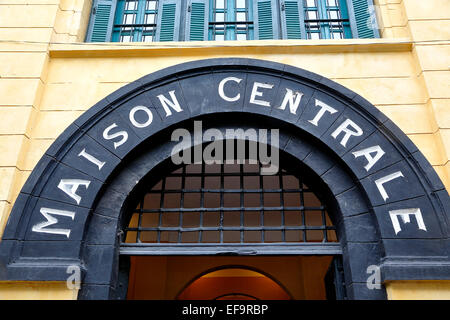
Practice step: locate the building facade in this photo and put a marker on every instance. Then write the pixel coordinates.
(356, 93)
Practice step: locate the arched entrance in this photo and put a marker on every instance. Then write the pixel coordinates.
(237, 214)
(296, 277)
(392, 209)
(234, 283)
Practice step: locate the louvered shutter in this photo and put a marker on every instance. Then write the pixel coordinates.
(292, 19)
(197, 20)
(100, 25)
(365, 20)
(266, 19)
(168, 25)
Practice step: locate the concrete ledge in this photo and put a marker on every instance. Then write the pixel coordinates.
(80, 50)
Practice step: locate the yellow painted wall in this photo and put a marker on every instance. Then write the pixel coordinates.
(25, 290)
(418, 290)
(48, 77)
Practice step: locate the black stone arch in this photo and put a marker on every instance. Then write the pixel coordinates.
(410, 254)
(357, 228)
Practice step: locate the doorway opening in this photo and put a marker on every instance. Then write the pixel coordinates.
(225, 231)
(230, 278)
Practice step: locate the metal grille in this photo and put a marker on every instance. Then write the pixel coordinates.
(135, 21)
(325, 19)
(231, 20)
(229, 203)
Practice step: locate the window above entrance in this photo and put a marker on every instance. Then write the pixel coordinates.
(202, 20)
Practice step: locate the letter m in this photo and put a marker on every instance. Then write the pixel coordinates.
(49, 214)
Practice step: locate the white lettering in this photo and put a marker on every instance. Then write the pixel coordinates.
(323, 108)
(379, 183)
(92, 159)
(405, 215)
(289, 98)
(70, 186)
(210, 311)
(256, 93)
(222, 93)
(166, 103)
(367, 154)
(47, 212)
(149, 116)
(348, 133)
(122, 134)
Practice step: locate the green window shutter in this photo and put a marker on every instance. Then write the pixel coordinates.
(292, 19)
(364, 18)
(168, 25)
(266, 19)
(197, 20)
(100, 25)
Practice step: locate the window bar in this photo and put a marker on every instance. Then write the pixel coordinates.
(138, 233)
(247, 18)
(330, 23)
(134, 33)
(338, 26)
(222, 170)
(120, 34)
(324, 25)
(214, 23)
(211, 17)
(283, 233)
(227, 190)
(326, 20)
(250, 18)
(121, 29)
(150, 12)
(161, 205)
(241, 182)
(212, 174)
(183, 178)
(319, 228)
(177, 227)
(302, 204)
(230, 15)
(136, 25)
(202, 201)
(324, 223)
(252, 209)
(261, 203)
